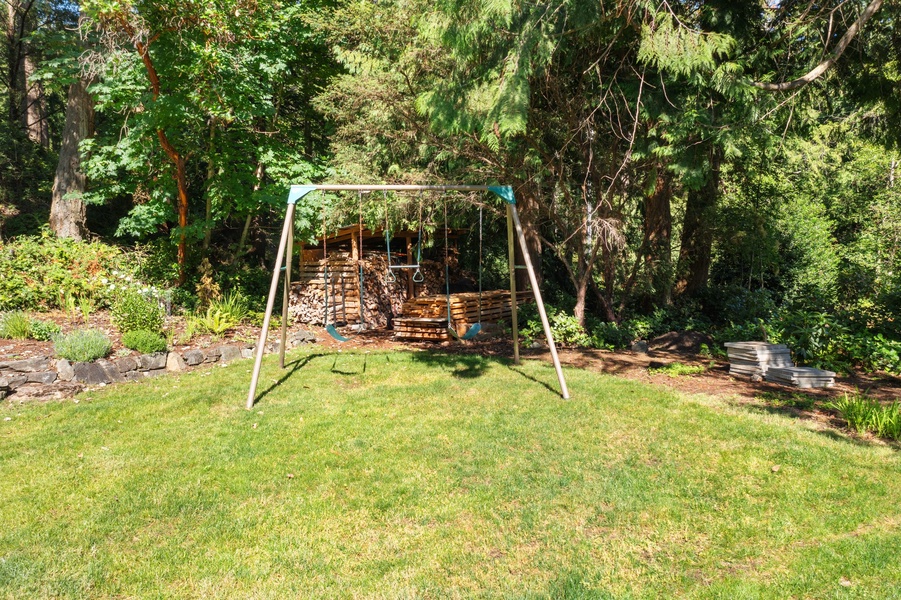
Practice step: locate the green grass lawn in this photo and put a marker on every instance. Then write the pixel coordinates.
(405, 475)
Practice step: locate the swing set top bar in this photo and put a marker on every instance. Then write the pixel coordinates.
(504, 192)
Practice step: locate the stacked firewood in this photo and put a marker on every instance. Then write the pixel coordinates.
(382, 300)
(425, 317)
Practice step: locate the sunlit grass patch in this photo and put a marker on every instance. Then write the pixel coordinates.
(427, 475)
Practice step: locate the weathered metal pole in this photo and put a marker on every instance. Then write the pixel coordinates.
(541, 312)
(514, 310)
(273, 288)
(286, 296)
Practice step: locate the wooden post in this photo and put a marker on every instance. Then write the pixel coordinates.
(270, 303)
(541, 312)
(511, 253)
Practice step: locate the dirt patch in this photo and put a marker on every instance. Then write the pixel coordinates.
(681, 342)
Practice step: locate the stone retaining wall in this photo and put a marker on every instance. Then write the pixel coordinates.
(42, 377)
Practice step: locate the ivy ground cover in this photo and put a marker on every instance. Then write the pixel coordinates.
(397, 475)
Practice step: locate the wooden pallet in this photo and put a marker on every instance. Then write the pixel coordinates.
(464, 311)
(416, 328)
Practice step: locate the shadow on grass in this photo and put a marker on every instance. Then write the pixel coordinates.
(461, 366)
(338, 371)
(290, 369)
(812, 407)
(546, 385)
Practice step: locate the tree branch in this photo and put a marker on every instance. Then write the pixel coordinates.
(824, 66)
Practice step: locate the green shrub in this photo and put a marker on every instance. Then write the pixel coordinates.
(15, 326)
(611, 336)
(145, 342)
(233, 305)
(82, 345)
(872, 352)
(865, 414)
(133, 311)
(43, 331)
(39, 272)
(213, 320)
(813, 337)
(565, 327)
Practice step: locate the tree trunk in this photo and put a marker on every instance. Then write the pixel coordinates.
(527, 204)
(34, 110)
(15, 57)
(581, 295)
(697, 232)
(658, 229)
(67, 210)
(181, 177)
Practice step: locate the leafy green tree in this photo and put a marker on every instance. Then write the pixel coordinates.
(210, 88)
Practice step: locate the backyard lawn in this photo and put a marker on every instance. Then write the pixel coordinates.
(399, 475)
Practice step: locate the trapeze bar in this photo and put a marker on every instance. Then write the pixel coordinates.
(403, 266)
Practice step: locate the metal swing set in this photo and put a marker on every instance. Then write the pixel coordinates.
(285, 251)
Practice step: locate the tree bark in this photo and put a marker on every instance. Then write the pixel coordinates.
(14, 61)
(181, 177)
(67, 209)
(697, 232)
(658, 229)
(528, 206)
(34, 110)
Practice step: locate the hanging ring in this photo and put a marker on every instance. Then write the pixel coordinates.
(418, 277)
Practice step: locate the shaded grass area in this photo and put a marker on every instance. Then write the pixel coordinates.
(426, 475)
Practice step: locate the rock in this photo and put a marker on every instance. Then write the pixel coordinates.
(37, 391)
(684, 342)
(230, 354)
(28, 365)
(212, 355)
(127, 364)
(4, 383)
(303, 336)
(247, 353)
(90, 373)
(111, 370)
(174, 362)
(152, 362)
(193, 357)
(43, 377)
(641, 347)
(136, 375)
(15, 382)
(64, 370)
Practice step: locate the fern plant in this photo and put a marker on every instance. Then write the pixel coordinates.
(214, 321)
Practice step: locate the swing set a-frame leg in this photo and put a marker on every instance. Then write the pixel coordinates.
(513, 215)
(270, 303)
